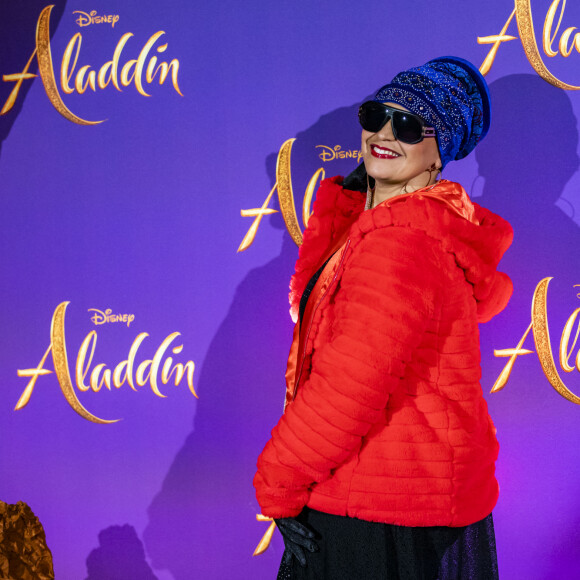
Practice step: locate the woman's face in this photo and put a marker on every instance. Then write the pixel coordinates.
(393, 163)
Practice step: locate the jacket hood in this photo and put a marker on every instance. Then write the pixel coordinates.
(478, 249)
(476, 237)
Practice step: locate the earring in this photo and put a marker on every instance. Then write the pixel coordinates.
(432, 169)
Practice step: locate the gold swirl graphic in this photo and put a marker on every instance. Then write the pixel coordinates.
(528, 39)
(60, 361)
(310, 189)
(542, 340)
(285, 193)
(44, 56)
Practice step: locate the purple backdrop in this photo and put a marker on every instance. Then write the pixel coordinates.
(140, 214)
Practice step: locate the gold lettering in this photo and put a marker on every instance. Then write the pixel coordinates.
(548, 23)
(541, 334)
(542, 340)
(99, 317)
(577, 42)
(103, 80)
(96, 381)
(163, 70)
(327, 153)
(513, 353)
(528, 39)
(141, 62)
(128, 69)
(91, 80)
(112, 66)
(140, 378)
(131, 358)
(566, 50)
(17, 78)
(82, 369)
(527, 35)
(117, 381)
(84, 19)
(46, 70)
(179, 370)
(100, 375)
(310, 189)
(564, 352)
(156, 362)
(65, 75)
(257, 214)
(34, 374)
(286, 198)
(60, 361)
(285, 193)
(85, 78)
(495, 41)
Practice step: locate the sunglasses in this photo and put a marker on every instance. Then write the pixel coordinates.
(407, 127)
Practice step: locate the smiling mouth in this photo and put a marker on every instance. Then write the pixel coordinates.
(383, 152)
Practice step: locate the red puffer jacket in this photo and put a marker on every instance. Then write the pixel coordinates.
(389, 423)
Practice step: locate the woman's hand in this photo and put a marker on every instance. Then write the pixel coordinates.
(296, 537)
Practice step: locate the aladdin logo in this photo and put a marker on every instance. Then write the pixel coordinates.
(140, 71)
(285, 197)
(85, 19)
(539, 328)
(100, 317)
(554, 42)
(330, 153)
(159, 369)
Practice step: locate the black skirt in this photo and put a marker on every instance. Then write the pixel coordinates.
(351, 548)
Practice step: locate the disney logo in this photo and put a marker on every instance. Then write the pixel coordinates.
(86, 19)
(100, 317)
(331, 153)
(156, 371)
(140, 72)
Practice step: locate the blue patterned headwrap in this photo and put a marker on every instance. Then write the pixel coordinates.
(450, 94)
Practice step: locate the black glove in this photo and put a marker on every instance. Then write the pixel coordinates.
(296, 537)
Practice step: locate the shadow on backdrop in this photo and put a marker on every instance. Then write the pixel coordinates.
(526, 161)
(18, 34)
(202, 523)
(120, 556)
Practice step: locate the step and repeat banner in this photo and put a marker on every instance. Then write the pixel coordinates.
(157, 167)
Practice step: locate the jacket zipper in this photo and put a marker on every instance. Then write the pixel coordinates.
(297, 382)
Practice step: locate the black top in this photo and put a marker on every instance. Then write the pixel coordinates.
(308, 290)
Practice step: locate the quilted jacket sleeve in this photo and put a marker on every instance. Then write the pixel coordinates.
(386, 296)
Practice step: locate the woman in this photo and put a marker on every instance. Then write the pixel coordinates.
(382, 465)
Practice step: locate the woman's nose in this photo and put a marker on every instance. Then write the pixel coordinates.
(386, 131)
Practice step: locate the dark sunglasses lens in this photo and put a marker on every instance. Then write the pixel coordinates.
(407, 128)
(372, 116)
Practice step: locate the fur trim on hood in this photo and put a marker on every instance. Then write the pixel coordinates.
(477, 243)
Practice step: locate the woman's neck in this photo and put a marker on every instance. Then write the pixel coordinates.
(386, 190)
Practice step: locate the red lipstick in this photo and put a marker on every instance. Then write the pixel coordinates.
(383, 152)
